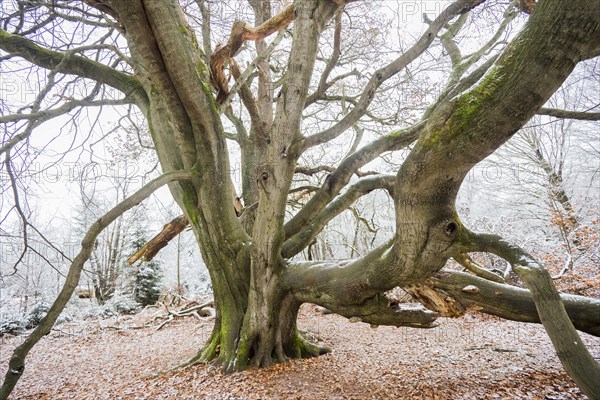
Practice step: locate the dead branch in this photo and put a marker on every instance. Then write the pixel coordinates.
(241, 32)
(169, 319)
(202, 312)
(169, 231)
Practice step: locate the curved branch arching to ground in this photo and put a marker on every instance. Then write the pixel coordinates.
(573, 354)
(16, 365)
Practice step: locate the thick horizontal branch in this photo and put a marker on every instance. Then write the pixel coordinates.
(467, 291)
(340, 284)
(580, 115)
(71, 64)
(379, 310)
(354, 289)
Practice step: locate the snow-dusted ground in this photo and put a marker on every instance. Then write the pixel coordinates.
(475, 357)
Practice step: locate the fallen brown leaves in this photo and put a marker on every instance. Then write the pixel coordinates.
(470, 358)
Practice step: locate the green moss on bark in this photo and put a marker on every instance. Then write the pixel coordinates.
(465, 110)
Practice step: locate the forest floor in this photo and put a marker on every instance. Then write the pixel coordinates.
(475, 357)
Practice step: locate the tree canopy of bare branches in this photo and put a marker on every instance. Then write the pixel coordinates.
(333, 74)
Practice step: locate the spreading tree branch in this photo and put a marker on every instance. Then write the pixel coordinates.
(339, 178)
(67, 63)
(384, 73)
(298, 242)
(38, 117)
(353, 289)
(567, 114)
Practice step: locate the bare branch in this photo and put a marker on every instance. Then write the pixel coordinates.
(39, 117)
(352, 288)
(335, 56)
(341, 176)
(298, 242)
(45, 115)
(206, 31)
(320, 94)
(70, 64)
(310, 171)
(384, 73)
(580, 115)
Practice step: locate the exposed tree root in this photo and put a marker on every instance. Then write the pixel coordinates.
(249, 354)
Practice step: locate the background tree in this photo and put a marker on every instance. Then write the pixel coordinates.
(106, 268)
(284, 109)
(147, 286)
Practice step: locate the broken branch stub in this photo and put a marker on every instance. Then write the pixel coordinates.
(241, 32)
(169, 231)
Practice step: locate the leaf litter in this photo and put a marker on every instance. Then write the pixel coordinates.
(475, 357)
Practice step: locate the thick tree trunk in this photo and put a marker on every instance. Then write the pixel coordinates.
(256, 334)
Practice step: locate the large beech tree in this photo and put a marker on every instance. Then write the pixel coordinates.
(152, 53)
